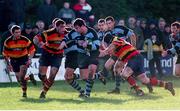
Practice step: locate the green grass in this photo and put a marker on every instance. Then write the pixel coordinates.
(62, 96)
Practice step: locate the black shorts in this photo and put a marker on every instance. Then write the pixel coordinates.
(71, 60)
(178, 59)
(48, 59)
(136, 63)
(17, 62)
(94, 57)
(114, 58)
(85, 60)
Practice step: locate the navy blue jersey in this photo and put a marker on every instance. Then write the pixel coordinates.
(71, 41)
(122, 32)
(93, 41)
(176, 43)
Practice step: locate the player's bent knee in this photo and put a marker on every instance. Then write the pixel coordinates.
(127, 72)
(143, 78)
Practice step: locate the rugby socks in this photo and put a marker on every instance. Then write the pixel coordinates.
(117, 80)
(23, 84)
(89, 85)
(47, 84)
(132, 82)
(155, 82)
(97, 75)
(105, 72)
(76, 76)
(76, 86)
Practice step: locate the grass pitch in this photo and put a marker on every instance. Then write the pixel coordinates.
(62, 97)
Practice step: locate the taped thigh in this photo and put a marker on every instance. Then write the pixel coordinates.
(127, 71)
(109, 63)
(143, 78)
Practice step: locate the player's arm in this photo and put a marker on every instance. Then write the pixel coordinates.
(108, 51)
(39, 40)
(131, 35)
(174, 50)
(133, 39)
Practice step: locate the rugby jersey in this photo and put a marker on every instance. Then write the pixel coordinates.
(122, 32)
(93, 41)
(101, 35)
(118, 31)
(19, 47)
(175, 39)
(52, 40)
(124, 50)
(71, 41)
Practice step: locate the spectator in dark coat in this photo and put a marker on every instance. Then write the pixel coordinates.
(16, 10)
(47, 12)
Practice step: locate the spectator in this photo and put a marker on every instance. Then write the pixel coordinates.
(16, 11)
(167, 32)
(27, 32)
(5, 35)
(41, 25)
(3, 20)
(143, 26)
(138, 22)
(156, 47)
(165, 39)
(35, 29)
(137, 31)
(47, 12)
(161, 24)
(121, 22)
(84, 10)
(66, 13)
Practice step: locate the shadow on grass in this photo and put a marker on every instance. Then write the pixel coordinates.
(36, 100)
(146, 96)
(92, 100)
(74, 100)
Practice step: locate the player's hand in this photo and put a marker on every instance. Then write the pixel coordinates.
(85, 43)
(41, 44)
(80, 42)
(10, 68)
(28, 63)
(164, 53)
(102, 53)
(62, 45)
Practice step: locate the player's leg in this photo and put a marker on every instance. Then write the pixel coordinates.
(110, 65)
(177, 67)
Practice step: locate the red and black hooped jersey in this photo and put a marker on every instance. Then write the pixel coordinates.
(16, 48)
(124, 50)
(52, 40)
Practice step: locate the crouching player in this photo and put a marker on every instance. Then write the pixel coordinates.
(133, 66)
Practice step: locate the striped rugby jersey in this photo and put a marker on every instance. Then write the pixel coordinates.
(124, 50)
(52, 40)
(16, 48)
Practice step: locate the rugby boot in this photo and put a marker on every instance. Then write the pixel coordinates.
(169, 87)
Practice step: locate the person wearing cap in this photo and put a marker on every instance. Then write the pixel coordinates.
(18, 51)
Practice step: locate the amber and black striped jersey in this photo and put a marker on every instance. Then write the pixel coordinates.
(16, 48)
(124, 50)
(52, 40)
